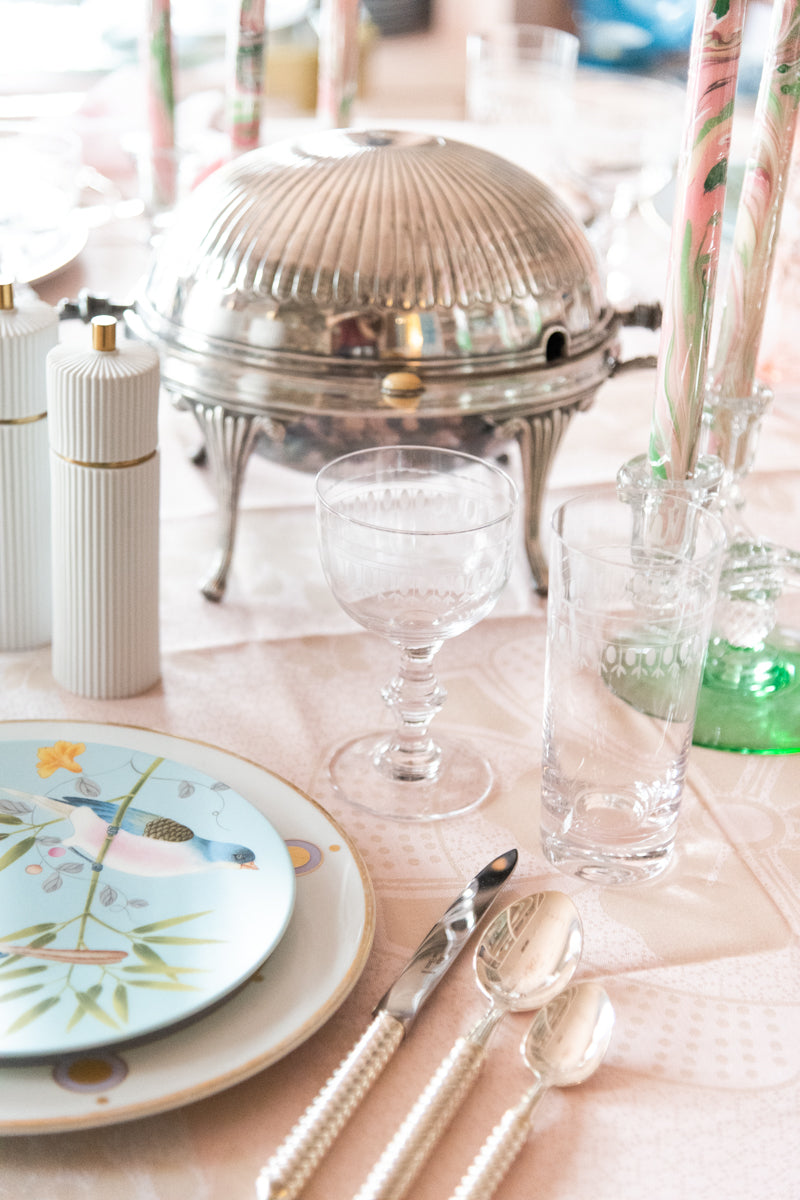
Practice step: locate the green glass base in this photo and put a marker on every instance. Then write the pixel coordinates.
(749, 700)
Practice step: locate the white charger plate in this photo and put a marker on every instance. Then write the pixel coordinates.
(47, 256)
(305, 979)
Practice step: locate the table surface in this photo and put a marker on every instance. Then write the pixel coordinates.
(699, 1094)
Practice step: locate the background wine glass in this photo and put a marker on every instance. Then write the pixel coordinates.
(416, 544)
(518, 81)
(622, 148)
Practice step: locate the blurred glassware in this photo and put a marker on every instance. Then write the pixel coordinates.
(622, 148)
(52, 55)
(522, 75)
(47, 193)
(166, 176)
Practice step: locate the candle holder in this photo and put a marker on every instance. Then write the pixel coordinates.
(750, 694)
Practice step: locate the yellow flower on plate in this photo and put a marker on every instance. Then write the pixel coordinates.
(62, 754)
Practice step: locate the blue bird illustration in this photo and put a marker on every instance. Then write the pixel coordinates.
(144, 843)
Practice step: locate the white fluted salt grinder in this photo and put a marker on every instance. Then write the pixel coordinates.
(28, 331)
(104, 472)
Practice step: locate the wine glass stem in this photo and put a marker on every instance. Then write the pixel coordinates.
(414, 696)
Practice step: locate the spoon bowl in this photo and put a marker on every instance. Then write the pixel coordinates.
(569, 1037)
(529, 952)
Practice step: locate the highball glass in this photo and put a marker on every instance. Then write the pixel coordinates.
(633, 583)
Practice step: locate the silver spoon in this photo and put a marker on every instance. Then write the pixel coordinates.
(565, 1044)
(526, 956)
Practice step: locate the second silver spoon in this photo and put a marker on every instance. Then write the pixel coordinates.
(565, 1044)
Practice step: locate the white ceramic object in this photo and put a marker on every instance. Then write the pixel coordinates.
(305, 980)
(28, 331)
(103, 405)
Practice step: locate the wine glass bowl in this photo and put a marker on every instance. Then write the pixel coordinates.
(622, 148)
(416, 544)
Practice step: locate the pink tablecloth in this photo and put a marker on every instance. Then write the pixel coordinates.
(700, 1092)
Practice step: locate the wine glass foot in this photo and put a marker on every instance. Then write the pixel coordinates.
(464, 781)
(749, 700)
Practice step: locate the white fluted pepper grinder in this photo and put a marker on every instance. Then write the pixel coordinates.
(28, 331)
(104, 469)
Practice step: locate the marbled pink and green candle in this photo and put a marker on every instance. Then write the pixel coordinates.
(338, 61)
(247, 83)
(696, 238)
(759, 212)
(161, 101)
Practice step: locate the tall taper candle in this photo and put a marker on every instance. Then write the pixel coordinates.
(247, 58)
(103, 406)
(696, 238)
(758, 216)
(338, 61)
(160, 89)
(28, 331)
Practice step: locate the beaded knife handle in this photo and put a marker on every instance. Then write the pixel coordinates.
(411, 1146)
(293, 1163)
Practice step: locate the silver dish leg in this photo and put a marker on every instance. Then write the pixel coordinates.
(229, 439)
(539, 436)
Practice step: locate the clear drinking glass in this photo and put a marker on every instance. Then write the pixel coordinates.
(520, 77)
(633, 582)
(416, 544)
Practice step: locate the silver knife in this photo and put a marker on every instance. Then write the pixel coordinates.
(299, 1155)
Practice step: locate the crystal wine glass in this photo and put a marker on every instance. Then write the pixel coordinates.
(621, 149)
(416, 544)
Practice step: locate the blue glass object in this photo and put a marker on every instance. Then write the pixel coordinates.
(631, 33)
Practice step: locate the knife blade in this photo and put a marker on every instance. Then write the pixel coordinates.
(299, 1155)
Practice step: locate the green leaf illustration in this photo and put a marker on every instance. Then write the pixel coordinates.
(146, 954)
(78, 1015)
(23, 991)
(32, 1013)
(164, 969)
(164, 986)
(44, 939)
(120, 1002)
(27, 932)
(91, 1006)
(169, 921)
(16, 851)
(182, 941)
(33, 969)
(7, 819)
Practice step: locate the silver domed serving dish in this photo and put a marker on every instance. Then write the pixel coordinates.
(357, 288)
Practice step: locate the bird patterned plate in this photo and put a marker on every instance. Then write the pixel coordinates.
(135, 891)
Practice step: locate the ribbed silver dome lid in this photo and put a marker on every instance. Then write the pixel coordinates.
(349, 249)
